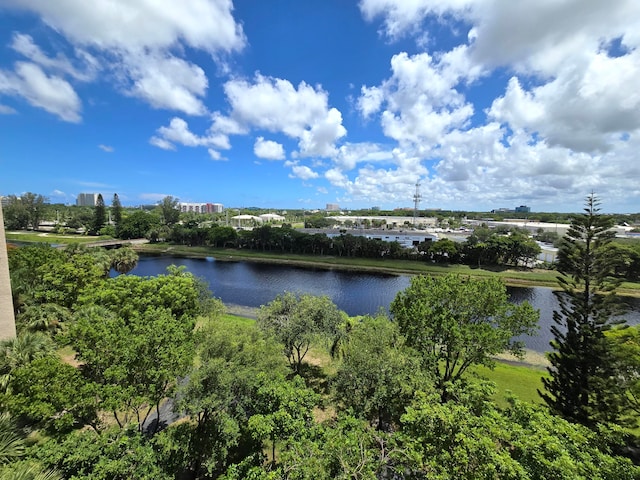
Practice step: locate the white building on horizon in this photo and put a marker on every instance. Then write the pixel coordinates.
(87, 199)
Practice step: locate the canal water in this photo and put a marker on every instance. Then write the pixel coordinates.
(251, 284)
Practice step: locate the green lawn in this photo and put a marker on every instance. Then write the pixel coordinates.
(522, 381)
(46, 237)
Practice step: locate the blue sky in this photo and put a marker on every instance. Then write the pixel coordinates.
(296, 104)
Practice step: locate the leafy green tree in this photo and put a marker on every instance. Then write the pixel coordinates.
(170, 210)
(20, 351)
(25, 265)
(456, 322)
(99, 216)
(52, 395)
(220, 236)
(625, 345)
(344, 448)
(35, 206)
(24, 212)
(16, 216)
(283, 409)
(129, 296)
(583, 386)
(136, 361)
(234, 361)
(318, 221)
(444, 250)
(296, 320)
(138, 225)
(117, 454)
(472, 439)
(378, 373)
(547, 236)
(63, 281)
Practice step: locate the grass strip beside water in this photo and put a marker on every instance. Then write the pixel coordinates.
(47, 237)
(523, 381)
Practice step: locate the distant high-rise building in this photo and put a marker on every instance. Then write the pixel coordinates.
(201, 207)
(523, 209)
(87, 199)
(333, 207)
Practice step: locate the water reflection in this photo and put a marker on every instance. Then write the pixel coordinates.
(254, 284)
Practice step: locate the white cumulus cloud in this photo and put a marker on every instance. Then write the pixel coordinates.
(303, 172)
(276, 105)
(178, 132)
(268, 149)
(139, 44)
(565, 123)
(50, 92)
(138, 24)
(25, 45)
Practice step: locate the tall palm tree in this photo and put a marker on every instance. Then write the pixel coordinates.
(47, 317)
(12, 448)
(11, 443)
(124, 259)
(20, 351)
(28, 471)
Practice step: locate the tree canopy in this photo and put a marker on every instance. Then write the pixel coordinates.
(296, 320)
(456, 322)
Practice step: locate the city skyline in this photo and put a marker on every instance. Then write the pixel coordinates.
(290, 104)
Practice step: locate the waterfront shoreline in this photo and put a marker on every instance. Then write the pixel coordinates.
(511, 277)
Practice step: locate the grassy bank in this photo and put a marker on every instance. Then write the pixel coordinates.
(513, 277)
(48, 237)
(521, 380)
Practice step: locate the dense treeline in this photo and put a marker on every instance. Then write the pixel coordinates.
(145, 378)
(485, 247)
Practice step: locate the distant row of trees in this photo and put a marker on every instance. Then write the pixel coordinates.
(484, 247)
(514, 249)
(28, 211)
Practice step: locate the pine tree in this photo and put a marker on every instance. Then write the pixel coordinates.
(99, 215)
(116, 212)
(582, 386)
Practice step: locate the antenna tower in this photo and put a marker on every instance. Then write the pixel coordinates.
(416, 202)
